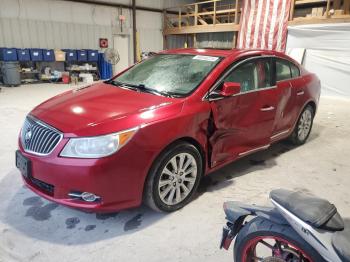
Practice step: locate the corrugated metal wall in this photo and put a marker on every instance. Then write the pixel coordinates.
(54, 24)
(215, 40)
(61, 24)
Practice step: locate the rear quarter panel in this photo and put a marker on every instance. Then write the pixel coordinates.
(312, 88)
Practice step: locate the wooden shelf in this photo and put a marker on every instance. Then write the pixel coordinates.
(202, 17)
(227, 27)
(319, 20)
(309, 2)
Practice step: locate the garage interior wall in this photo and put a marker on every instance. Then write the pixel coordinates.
(66, 24)
(327, 54)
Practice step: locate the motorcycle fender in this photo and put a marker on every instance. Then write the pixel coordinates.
(237, 212)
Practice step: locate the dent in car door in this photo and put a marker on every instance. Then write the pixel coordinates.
(233, 119)
(242, 122)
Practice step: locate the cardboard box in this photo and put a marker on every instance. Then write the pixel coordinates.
(60, 56)
(338, 12)
(320, 11)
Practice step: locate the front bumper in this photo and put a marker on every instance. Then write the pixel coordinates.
(117, 179)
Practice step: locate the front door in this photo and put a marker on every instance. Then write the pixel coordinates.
(244, 122)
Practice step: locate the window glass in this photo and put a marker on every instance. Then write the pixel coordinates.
(176, 74)
(252, 75)
(282, 70)
(246, 75)
(295, 71)
(264, 73)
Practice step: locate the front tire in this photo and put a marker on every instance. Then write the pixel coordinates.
(174, 178)
(289, 245)
(303, 127)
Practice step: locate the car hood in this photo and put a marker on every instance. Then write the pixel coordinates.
(103, 108)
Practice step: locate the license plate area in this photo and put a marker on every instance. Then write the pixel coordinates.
(226, 238)
(23, 164)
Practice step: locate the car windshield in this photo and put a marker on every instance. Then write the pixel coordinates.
(168, 74)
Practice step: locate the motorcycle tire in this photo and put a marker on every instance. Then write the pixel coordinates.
(260, 228)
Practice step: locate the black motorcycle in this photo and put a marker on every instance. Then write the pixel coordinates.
(298, 227)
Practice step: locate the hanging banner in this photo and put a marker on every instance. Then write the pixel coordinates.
(264, 24)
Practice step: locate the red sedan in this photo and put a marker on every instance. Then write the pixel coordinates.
(153, 131)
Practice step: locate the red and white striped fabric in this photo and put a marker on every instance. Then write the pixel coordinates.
(264, 24)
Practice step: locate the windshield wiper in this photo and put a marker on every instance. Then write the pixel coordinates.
(123, 85)
(142, 88)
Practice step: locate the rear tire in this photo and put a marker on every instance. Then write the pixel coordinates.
(261, 228)
(174, 178)
(303, 127)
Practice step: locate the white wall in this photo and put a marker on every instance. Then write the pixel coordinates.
(54, 24)
(62, 24)
(327, 54)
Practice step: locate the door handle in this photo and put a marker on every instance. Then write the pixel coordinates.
(300, 93)
(264, 109)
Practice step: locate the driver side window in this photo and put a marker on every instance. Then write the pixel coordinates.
(246, 75)
(252, 75)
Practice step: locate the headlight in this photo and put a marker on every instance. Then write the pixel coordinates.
(98, 146)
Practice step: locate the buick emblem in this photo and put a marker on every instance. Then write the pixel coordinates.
(27, 136)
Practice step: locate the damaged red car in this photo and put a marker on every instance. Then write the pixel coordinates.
(152, 132)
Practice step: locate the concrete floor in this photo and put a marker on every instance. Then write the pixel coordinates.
(33, 229)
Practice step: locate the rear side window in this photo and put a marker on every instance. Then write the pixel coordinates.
(295, 71)
(283, 71)
(263, 67)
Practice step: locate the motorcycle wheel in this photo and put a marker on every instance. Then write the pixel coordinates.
(263, 240)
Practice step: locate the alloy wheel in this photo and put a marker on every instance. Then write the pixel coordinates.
(177, 179)
(304, 125)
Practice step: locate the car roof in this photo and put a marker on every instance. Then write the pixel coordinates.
(220, 52)
(227, 52)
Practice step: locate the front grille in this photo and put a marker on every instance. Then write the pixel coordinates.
(39, 138)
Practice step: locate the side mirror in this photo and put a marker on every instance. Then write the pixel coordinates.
(230, 89)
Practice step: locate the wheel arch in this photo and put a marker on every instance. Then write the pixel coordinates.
(191, 141)
(309, 102)
(312, 104)
(187, 139)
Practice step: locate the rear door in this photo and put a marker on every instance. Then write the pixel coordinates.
(244, 122)
(290, 86)
(299, 92)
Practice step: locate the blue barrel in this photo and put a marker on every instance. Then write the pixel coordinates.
(82, 55)
(48, 55)
(8, 54)
(92, 55)
(104, 67)
(71, 55)
(36, 54)
(23, 55)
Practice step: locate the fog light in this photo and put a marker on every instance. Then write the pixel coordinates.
(86, 196)
(89, 197)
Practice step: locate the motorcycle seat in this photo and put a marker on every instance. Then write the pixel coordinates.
(317, 212)
(341, 243)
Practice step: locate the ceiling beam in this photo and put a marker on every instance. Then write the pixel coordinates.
(142, 8)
